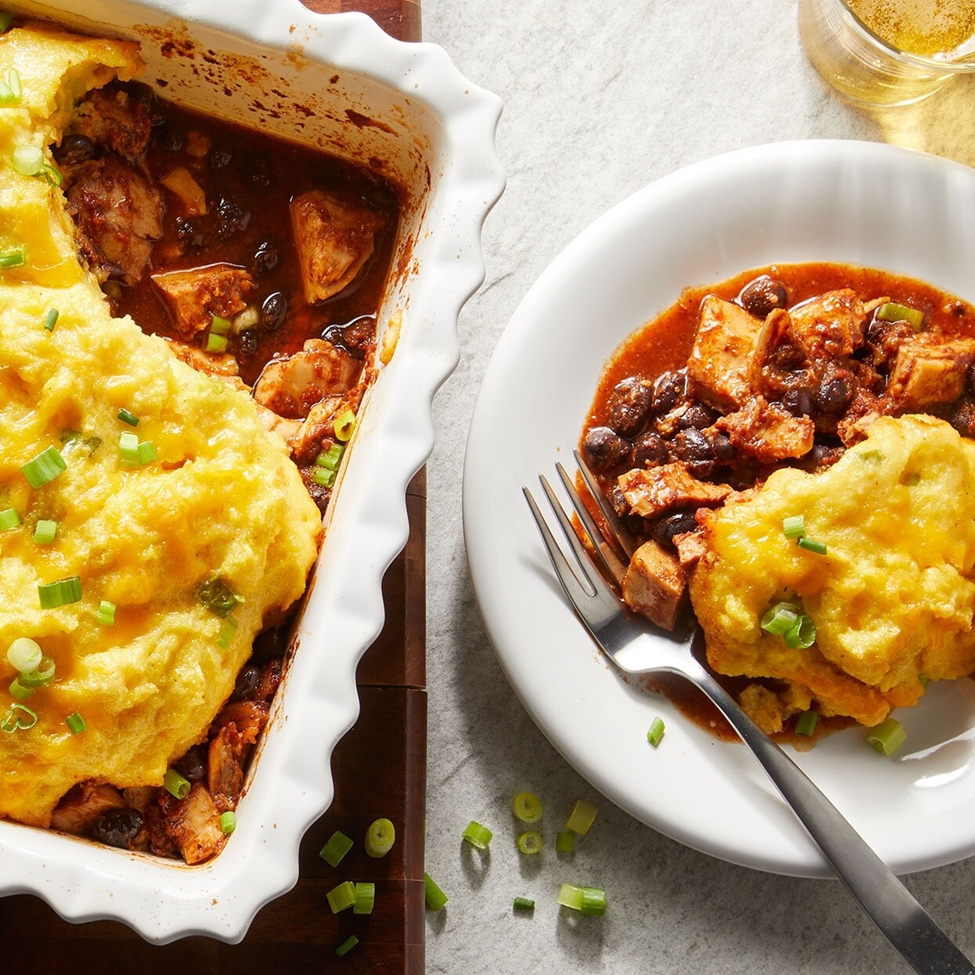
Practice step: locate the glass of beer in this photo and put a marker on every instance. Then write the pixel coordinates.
(888, 52)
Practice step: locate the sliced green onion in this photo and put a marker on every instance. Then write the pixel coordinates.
(526, 807)
(524, 904)
(582, 817)
(128, 448)
(334, 851)
(9, 519)
(5, 20)
(18, 690)
(147, 452)
(780, 618)
(15, 257)
(219, 326)
(477, 835)
(344, 425)
(51, 319)
(45, 531)
(106, 613)
(810, 545)
(343, 949)
(217, 597)
(216, 343)
(530, 842)
(14, 722)
(365, 898)
(51, 174)
(228, 822)
(794, 526)
(806, 723)
(887, 737)
(175, 784)
(28, 160)
(565, 841)
(330, 458)
(341, 898)
(76, 723)
(130, 418)
(433, 895)
(13, 80)
(24, 655)
(41, 677)
(593, 901)
(801, 634)
(922, 680)
(656, 732)
(7, 96)
(44, 467)
(60, 593)
(323, 476)
(892, 312)
(226, 636)
(380, 838)
(571, 897)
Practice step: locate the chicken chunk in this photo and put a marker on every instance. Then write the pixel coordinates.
(927, 371)
(117, 214)
(195, 295)
(655, 491)
(194, 824)
(779, 360)
(718, 366)
(654, 585)
(334, 239)
(82, 805)
(291, 387)
(112, 118)
(767, 432)
(830, 326)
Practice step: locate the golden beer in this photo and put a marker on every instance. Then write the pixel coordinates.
(931, 28)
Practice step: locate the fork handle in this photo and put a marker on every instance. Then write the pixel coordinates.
(909, 928)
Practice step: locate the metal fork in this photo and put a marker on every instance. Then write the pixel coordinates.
(638, 647)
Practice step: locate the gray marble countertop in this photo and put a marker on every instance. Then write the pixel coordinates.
(601, 99)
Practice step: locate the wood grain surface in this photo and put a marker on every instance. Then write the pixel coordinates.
(379, 770)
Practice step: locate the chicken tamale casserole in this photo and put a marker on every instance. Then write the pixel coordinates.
(790, 450)
(187, 331)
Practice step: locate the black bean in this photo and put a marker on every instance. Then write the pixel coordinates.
(667, 391)
(247, 341)
(74, 149)
(117, 827)
(247, 681)
(721, 447)
(696, 415)
(619, 504)
(334, 335)
(358, 336)
(649, 450)
(820, 457)
(971, 378)
(834, 394)
(605, 449)
(220, 157)
(265, 258)
(628, 406)
(274, 311)
(691, 446)
(963, 418)
(232, 218)
(189, 234)
(763, 295)
(170, 136)
(193, 764)
(798, 402)
(675, 524)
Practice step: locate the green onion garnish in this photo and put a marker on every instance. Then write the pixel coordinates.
(571, 897)
(656, 732)
(219, 326)
(365, 898)
(593, 901)
(477, 835)
(41, 676)
(24, 655)
(524, 904)
(51, 319)
(581, 818)
(330, 458)
(13, 80)
(5, 20)
(147, 452)
(28, 160)
(380, 838)
(7, 96)
(228, 822)
(806, 723)
(530, 842)
(433, 895)
(341, 898)
(60, 593)
(15, 257)
(811, 545)
(565, 841)
(216, 343)
(922, 680)
(226, 636)
(175, 784)
(323, 476)
(887, 737)
(780, 618)
(44, 467)
(801, 634)
(794, 526)
(216, 596)
(343, 949)
(130, 418)
(18, 690)
(128, 448)
(344, 425)
(892, 312)
(9, 519)
(334, 851)
(14, 722)
(45, 531)
(526, 807)
(76, 723)
(106, 613)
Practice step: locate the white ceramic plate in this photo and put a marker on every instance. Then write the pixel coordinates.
(858, 203)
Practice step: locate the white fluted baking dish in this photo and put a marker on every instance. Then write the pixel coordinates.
(340, 83)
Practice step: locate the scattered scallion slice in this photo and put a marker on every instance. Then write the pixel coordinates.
(106, 613)
(477, 835)
(228, 822)
(175, 784)
(344, 425)
(13, 80)
(45, 531)
(128, 448)
(434, 896)
(571, 896)
(60, 593)
(801, 634)
(323, 476)
(530, 842)
(887, 737)
(582, 817)
(219, 326)
(9, 519)
(806, 723)
(226, 636)
(76, 723)
(24, 655)
(51, 319)
(28, 160)
(380, 837)
(794, 526)
(15, 257)
(656, 732)
(593, 901)
(341, 898)
(18, 690)
(334, 851)
(216, 343)
(524, 904)
(780, 618)
(330, 458)
(14, 722)
(43, 468)
(565, 841)
(893, 312)
(526, 807)
(811, 545)
(217, 597)
(7, 96)
(6, 18)
(126, 417)
(343, 949)
(41, 676)
(365, 898)
(147, 452)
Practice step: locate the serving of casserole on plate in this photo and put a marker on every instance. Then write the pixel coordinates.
(209, 340)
